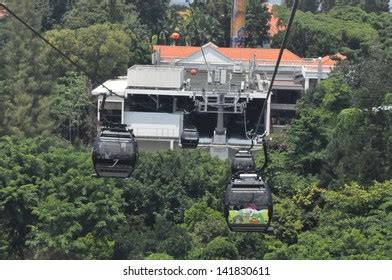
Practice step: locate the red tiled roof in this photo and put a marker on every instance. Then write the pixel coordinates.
(332, 60)
(180, 52)
(261, 54)
(329, 60)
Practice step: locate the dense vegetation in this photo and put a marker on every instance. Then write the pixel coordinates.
(345, 29)
(331, 171)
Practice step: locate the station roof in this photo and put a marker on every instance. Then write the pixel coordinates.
(236, 54)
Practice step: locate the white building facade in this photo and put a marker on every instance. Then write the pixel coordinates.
(225, 94)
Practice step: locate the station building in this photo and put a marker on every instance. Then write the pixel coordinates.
(222, 98)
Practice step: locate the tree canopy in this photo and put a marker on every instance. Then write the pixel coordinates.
(331, 171)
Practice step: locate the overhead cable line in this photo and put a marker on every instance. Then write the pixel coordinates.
(36, 33)
(282, 47)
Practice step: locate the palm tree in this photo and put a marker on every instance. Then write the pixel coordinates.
(174, 22)
(203, 28)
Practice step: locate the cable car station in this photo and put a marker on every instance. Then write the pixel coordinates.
(224, 96)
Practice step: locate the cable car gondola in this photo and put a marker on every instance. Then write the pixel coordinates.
(243, 162)
(189, 137)
(115, 152)
(248, 204)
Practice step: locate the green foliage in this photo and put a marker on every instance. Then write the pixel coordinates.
(288, 220)
(151, 13)
(51, 207)
(316, 35)
(382, 22)
(203, 28)
(52, 11)
(357, 150)
(250, 245)
(360, 139)
(201, 11)
(309, 136)
(20, 172)
(159, 256)
(65, 212)
(170, 238)
(179, 177)
(26, 80)
(208, 21)
(388, 99)
(351, 227)
(71, 106)
(220, 249)
(91, 12)
(174, 23)
(16, 203)
(311, 132)
(355, 200)
(333, 94)
(330, 173)
(257, 17)
(363, 84)
(352, 13)
(337, 141)
(303, 5)
(78, 220)
(205, 223)
(103, 50)
(222, 10)
(366, 5)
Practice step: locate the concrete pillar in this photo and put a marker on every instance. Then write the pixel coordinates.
(267, 116)
(171, 145)
(220, 120)
(174, 104)
(122, 110)
(307, 84)
(220, 129)
(99, 107)
(319, 70)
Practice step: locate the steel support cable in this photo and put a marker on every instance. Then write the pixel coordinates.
(245, 125)
(282, 47)
(80, 68)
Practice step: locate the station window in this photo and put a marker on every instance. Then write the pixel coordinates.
(113, 111)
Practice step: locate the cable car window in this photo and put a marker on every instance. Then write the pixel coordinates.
(242, 199)
(110, 150)
(248, 215)
(113, 112)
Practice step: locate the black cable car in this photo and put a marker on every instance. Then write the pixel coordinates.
(248, 204)
(243, 162)
(115, 152)
(189, 137)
